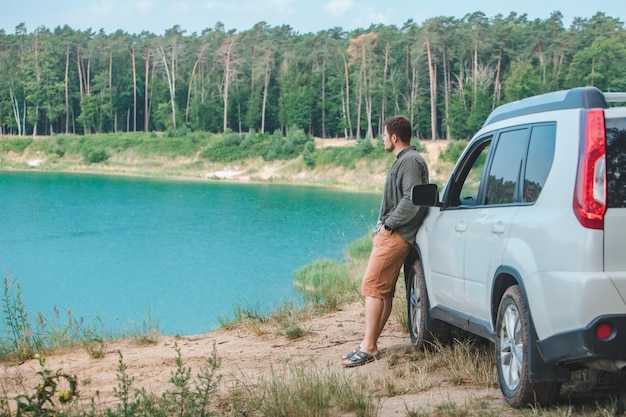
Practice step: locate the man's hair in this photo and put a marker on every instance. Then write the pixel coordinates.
(401, 126)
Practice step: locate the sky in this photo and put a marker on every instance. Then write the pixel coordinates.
(303, 16)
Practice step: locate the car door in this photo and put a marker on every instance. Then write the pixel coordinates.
(486, 235)
(447, 250)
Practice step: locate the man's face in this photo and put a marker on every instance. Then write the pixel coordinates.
(387, 140)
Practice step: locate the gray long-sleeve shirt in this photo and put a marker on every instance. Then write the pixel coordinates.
(396, 209)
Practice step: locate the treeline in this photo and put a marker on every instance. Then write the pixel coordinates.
(446, 74)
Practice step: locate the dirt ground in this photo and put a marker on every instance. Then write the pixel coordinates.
(244, 357)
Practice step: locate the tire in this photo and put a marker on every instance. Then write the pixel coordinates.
(512, 347)
(418, 306)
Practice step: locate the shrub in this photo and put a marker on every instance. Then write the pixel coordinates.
(307, 156)
(15, 145)
(453, 151)
(95, 156)
(325, 281)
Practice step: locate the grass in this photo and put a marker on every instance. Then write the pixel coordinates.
(24, 338)
(303, 391)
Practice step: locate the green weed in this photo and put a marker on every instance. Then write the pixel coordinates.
(56, 390)
(20, 341)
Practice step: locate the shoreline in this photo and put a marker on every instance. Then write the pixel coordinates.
(273, 175)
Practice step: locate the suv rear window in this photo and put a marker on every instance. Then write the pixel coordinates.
(616, 162)
(539, 161)
(504, 173)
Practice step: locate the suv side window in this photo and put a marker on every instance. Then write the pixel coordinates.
(506, 167)
(539, 161)
(466, 184)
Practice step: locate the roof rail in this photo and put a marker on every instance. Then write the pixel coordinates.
(615, 97)
(576, 98)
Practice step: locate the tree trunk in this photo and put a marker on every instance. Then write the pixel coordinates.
(79, 67)
(146, 101)
(192, 80)
(170, 73)
(227, 75)
(111, 117)
(324, 98)
(16, 111)
(446, 91)
(67, 87)
(432, 74)
(268, 71)
(383, 104)
(497, 88)
(132, 58)
(347, 103)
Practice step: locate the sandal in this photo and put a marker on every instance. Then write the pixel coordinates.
(351, 353)
(359, 358)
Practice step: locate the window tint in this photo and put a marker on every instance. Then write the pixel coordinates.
(464, 189)
(539, 161)
(471, 185)
(616, 162)
(504, 172)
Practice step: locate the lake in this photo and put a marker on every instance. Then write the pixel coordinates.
(121, 251)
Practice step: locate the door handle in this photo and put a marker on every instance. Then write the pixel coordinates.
(498, 228)
(460, 227)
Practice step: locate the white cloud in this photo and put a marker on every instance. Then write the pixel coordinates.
(338, 8)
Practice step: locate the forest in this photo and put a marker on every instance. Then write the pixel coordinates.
(445, 74)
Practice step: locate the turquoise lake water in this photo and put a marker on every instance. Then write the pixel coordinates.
(119, 251)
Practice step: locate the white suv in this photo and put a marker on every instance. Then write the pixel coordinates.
(525, 246)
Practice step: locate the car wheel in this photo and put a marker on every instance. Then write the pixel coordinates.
(417, 306)
(512, 339)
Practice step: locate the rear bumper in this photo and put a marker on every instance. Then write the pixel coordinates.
(583, 345)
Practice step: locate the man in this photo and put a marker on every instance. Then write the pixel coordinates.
(394, 235)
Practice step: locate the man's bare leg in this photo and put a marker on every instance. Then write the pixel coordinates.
(374, 314)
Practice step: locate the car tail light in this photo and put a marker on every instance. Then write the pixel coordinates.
(590, 191)
(603, 331)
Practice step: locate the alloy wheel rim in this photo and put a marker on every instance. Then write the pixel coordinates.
(511, 347)
(416, 301)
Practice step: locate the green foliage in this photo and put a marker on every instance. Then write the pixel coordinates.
(327, 83)
(99, 148)
(230, 149)
(347, 156)
(16, 145)
(42, 402)
(95, 156)
(453, 151)
(238, 146)
(600, 65)
(360, 249)
(242, 313)
(20, 342)
(186, 397)
(307, 154)
(523, 80)
(325, 281)
(126, 405)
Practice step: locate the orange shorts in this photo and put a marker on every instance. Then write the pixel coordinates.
(388, 254)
